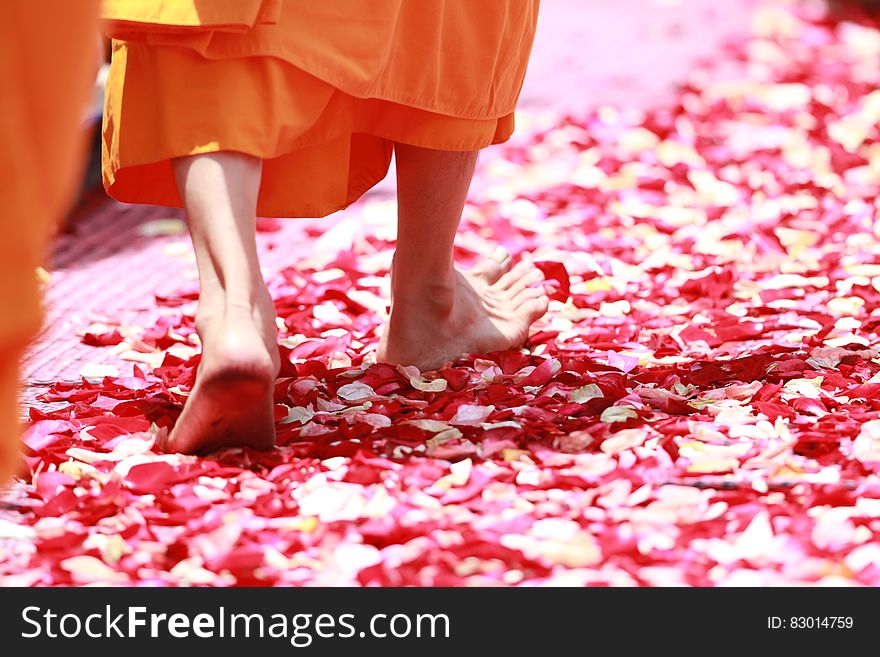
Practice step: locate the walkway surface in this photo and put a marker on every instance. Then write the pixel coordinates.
(698, 180)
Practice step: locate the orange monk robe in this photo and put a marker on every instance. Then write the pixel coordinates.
(48, 60)
(320, 91)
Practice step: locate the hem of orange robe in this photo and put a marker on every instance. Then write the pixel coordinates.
(307, 210)
(110, 173)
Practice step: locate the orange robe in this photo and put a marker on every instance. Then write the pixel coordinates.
(48, 61)
(319, 90)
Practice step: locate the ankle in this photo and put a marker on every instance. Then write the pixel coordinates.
(434, 284)
(207, 312)
(246, 300)
(434, 298)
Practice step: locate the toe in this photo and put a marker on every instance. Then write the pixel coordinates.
(492, 268)
(522, 268)
(534, 309)
(525, 282)
(529, 294)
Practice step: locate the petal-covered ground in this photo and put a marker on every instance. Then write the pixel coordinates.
(699, 407)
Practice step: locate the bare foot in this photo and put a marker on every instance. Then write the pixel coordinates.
(231, 403)
(489, 308)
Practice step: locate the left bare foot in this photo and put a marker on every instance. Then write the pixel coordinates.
(231, 402)
(489, 308)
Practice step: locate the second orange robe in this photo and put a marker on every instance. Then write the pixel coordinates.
(48, 61)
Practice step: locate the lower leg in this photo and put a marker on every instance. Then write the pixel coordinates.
(220, 194)
(432, 190)
(231, 402)
(438, 313)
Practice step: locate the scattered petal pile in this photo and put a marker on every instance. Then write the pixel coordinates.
(701, 405)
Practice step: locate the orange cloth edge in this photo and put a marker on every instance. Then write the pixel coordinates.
(48, 61)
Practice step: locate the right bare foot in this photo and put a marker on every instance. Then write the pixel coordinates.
(489, 308)
(231, 403)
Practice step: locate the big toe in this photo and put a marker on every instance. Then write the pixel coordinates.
(491, 269)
